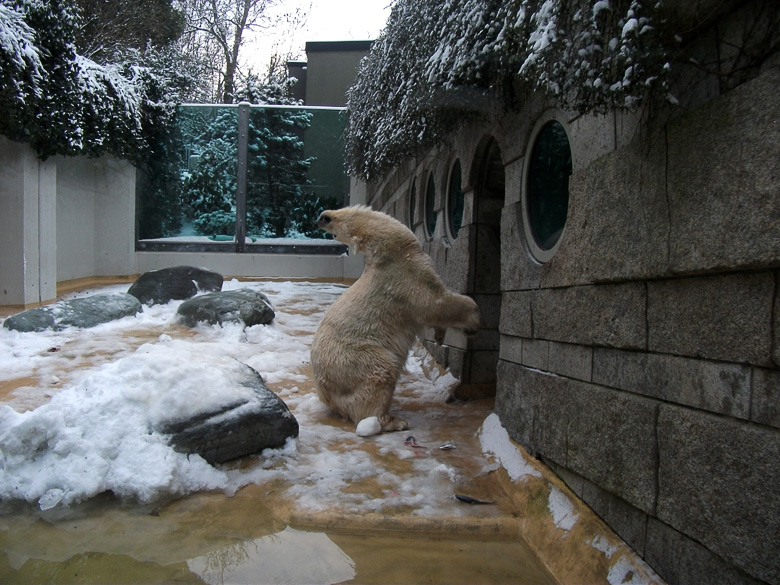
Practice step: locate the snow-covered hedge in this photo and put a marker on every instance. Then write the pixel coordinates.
(435, 61)
(63, 103)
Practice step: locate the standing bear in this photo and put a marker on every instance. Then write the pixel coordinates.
(363, 341)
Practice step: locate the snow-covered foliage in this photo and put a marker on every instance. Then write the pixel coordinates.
(437, 61)
(63, 103)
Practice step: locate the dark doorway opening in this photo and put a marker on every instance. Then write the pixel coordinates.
(479, 371)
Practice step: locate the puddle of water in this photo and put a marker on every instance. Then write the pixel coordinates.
(314, 519)
(213, 539)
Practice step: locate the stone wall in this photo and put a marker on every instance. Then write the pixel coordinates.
(642, 362)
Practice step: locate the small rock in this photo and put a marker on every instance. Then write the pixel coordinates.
(82, 312)
(174, 284)
(236, 306)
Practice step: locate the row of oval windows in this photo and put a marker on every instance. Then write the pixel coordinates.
(545, 197)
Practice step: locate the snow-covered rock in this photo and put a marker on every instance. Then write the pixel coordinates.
(245, 306)
(83, 312)
(176, 283)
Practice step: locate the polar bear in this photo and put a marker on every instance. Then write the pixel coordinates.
(363, 340)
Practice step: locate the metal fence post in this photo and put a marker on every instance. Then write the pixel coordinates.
(243, 150)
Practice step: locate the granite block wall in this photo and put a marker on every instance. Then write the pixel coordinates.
(642, 362)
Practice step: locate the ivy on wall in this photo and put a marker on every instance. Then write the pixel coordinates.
(435, 63)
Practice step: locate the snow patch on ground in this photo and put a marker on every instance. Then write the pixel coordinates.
(86, 424)
(562, 510)
(495, 441)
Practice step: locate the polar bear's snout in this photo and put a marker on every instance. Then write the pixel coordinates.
(324, 220)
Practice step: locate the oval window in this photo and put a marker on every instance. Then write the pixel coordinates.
(430, 207)
(455, 201)
(547, 190)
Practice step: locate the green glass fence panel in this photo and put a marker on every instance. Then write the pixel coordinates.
(295, 168)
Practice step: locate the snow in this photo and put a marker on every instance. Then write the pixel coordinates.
(562, 510)
(86, 422)
(395, 108)
(495, 440)
(368, 427)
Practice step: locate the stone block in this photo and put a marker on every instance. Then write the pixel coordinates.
(718, 483)
(617, 223)
(554, 405)
(606, 436)
(610, 315)
(776, 332)
(536, 354)
(680, 560)
(518, 270)
(511, 349)
(515, 406)
(516, 318)
(591, 136)
(611, 440)
(713, 386)
(765, 407)
(458, 259)
(722, 187)
(626, 520)
(725, 317)
(572, 361)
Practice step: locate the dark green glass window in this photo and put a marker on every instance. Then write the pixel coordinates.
(548, 185)
(412, 203)
(430, 211)
(455, 200)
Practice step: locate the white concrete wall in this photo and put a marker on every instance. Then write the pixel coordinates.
(256, 265)
(69, 218)
(95, 218)
(27, 228)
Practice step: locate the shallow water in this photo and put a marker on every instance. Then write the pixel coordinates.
(340, 509)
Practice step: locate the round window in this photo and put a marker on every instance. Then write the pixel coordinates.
(430, 209)
(546, 200)
(455, 201)
(412, 203)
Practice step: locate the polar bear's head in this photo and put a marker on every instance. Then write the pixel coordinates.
(375, 234)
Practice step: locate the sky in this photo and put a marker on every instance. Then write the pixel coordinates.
(328, 20)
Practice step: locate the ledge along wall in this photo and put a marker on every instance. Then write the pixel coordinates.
(642, 362)
(66, 219)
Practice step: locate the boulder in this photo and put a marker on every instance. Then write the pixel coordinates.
(235, 306)
(234, 430)
(82, 312)
(174, 284)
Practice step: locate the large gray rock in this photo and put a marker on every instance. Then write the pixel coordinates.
(235, 430)
(174, 284)
(82, 312)
(235, 306)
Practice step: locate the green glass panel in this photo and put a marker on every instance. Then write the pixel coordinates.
(295, 169)
(548, 185)
(455, 200)
(430, 202)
